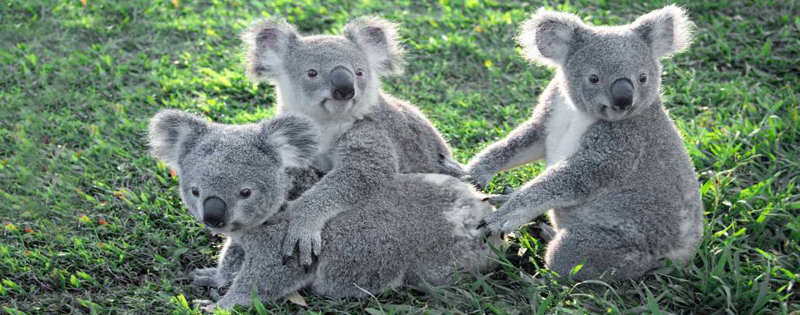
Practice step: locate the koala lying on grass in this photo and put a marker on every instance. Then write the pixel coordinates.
(367, 137)
(416, 229)
(621, 187)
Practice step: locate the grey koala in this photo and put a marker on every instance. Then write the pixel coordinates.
(367, 136)
(417, 229)
(622, 189)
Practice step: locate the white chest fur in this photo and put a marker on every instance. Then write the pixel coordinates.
(565, 127)
(330, 131)
(330, 128)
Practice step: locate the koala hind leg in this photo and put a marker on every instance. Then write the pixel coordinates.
(609, 253)
(360, 261)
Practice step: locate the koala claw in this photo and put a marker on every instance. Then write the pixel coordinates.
(469, 179)
(479, 181)
(209, 309)
(496, 200)
(214, 294)
(488, 234)
(285, 260)
(307, 246)
(546, 232)
(206, 306)
(494, 223)
(451, 166)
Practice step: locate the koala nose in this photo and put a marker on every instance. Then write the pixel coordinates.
(214, 212)
(622, 94)
(342, 82)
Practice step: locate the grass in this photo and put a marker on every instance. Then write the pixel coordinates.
(92, 225)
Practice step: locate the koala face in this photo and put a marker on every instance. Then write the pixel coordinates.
(327, 73)
(324, 75)
(229, 184)
(609, 72)
(232, 177)
(612, 77)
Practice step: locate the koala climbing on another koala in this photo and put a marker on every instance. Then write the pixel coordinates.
(367, 136)
(416, 229)
(622, 189)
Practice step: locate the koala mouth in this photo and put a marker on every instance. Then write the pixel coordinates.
(337, 102)
(337, 106)
(613, 113)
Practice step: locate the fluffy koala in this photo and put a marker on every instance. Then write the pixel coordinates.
(367, 136)
(620, 187)
(416, 229)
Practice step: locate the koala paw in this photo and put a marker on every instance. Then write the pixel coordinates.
(205, 277)
(496, 200)
(451, 167)
(205, 306)
(546, 232)
(307, 239)
(502, 221)
(479, 179)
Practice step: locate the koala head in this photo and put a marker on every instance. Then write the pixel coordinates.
(324, 75)
(610, 72)
(232, 177)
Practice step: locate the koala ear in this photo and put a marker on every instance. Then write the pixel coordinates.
(549, 37)
(667, 30)
(171, 131)
(379, 40)
(293, 137)
(267, 42)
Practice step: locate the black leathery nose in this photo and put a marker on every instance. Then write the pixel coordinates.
(622, 94)
(214, 212)
(343, 83)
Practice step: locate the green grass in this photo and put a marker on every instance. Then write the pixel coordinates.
(92, 225)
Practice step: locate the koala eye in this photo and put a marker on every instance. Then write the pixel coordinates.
(359, 72)
(594, 79)
(312, 73)
(642, 78)
(245, 193)
(195, 192)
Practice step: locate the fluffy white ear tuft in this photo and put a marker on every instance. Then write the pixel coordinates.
(293, 137)
(667, 30)
(169, 132)
(380, 41)
(548, 37)
(266, 43)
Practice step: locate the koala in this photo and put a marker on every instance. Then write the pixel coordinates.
(417, 229)
(367, 136)
(232, 254)
(620, 188)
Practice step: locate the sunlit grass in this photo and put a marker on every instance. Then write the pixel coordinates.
(90, 224)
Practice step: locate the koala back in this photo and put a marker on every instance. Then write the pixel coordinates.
(428, 239)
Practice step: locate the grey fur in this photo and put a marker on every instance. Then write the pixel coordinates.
(623, 192)
(365, 142)
(415, 229)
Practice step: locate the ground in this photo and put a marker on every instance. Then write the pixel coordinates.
(92, 225)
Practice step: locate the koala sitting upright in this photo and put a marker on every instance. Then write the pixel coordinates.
(417, 229)
(367, 137)
(620, 184)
